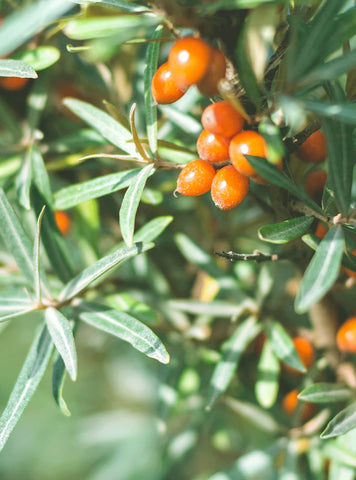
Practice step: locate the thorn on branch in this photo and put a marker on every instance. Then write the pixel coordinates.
(256, 256)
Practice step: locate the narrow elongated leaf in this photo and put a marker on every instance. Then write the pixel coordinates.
(218, 308)
(325, 393)
(100, 268)
(130, 204)
(283, 345)
(58, 377)
(266, 388)
(322, 270)
(182, 120)
(342, 423)
(14, 303)
(150, 104)
(62, 336)
(285, 231)
(232, 351)
(23, 182)
(120, 4)
(39, 58)
(36, 256)
(129, 329)
(15, 238)
(36, 101)
(344, 112)
(16, 68)
(26, 384)
(40, 176)
(273, 175)
(340, 453)
(152, 229)
(109, 128)
(98, 187)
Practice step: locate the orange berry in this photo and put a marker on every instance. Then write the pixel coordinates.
(164, 87)
(290, 404)
(195, 178)
(13, 83)
(63, 222)
(189, 60)
(213, 148)
(305, 351)
(246, 143)
(321, 230)
(229, 188)
(208, 85)
(313, 150)
(314, 184)
(346, 336)
(221, 118)
(348, 271)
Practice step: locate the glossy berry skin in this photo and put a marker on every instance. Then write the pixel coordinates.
(315, 183)
(348, 271)
(63, 222)
(305, 351)
(246, 143)
(346, 336)
(195, 178)
(229, 188)
(314, 149)
(208, 85)
(189, 61)
(213, 148)
(221, 118)
(13, 83)
(164, 87)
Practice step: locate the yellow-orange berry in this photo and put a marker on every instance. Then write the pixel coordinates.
(208, 85)
(314, 149)
(164, 87)
(321, 230)
(13, 83)
(229, 188)
(346, 336)
(63, 222)
(221, 118)
(305, 351)
(213, 148)
(195, 178)
(189, 60)
(290, 404)
(315, 183)
(246, 143)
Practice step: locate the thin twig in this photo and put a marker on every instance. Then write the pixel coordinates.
(254, 257)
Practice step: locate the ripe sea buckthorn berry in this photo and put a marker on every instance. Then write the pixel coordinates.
(164, 87)
(195, 178)
(305, 351)
(229, 188)
(346, 336)
(213, 148)
(321, 230)
(290, 404)
(189, 60)
(63, 222)
(221, 118)
(208, 85)
(13, 83)
(315, 183)
(246, 143)
(313, 150)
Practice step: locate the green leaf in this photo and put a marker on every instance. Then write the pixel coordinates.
(109, 128)
(123, 5)
(16, 68)
(273, 175)
(58, 377)
(285, 231)
(36, 101)
(152, 229)
(130, 204)
(36, 256)
(266, 387)
(98, 187)
(340, 162)
(100, 268)
(23, 24)
(40, 176)
(23, 182)
(344, 112)
(325, 393)
(232, 351)
(39, 58)
(62, 336)
(15, 238)
(340, 454)
(216, 308)
(322, 270)
(342, 423)
(26, 384)
(283, 345)
(150, 104)
(181, 120)
(127, 328)
(14, 303)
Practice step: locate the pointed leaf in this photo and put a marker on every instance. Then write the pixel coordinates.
(285, 231)
(130, 204)
(16, 68)
(322, 270)
(325, 393)
(266, 388)
(62, 336)
(36, 256)
(14, 303)
(152, 229)
(99, 268)
(342, 423)
(129, 329)
(26, 384)
(39, 58)
(58, 377)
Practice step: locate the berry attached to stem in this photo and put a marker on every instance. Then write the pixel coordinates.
(229, 188)
(195, 178)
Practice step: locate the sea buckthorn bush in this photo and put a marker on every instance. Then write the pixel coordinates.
(178, 239)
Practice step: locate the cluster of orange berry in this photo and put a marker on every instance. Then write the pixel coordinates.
(192, 61)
